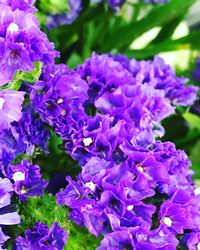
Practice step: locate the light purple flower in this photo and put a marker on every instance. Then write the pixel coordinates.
(21, 43)
(10, 107)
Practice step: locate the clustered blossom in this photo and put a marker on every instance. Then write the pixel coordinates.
(26, 179)
(161, 76)
(126, 103)
(42, 237)
(22, 136)
(140, 202)
(133, 189)
(7, 216)
(21, 43)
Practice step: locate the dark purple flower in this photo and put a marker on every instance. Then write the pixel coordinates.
(76, 216)
(23, 136)
(32, 131)
(196, 73)
(42, 238)
(27, 179)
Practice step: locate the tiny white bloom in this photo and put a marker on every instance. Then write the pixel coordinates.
(87, 141)
(18, 176)
(13, 27)
(130, 207)
(90, 185)
(167, 221)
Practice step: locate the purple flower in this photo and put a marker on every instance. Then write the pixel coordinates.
(25, 5)
(192, 240)
(108, 111)
(156, 1)
(27, 179)
(76, 216)
(10, 107)
(42, 238)
(7, 217)
(23, 137)
(196, 73)
(176, 210)
(109, 197)
(114, 4)
(75, 8)
(21, 43)
(132, 104)
(162, 77)
(32, 131)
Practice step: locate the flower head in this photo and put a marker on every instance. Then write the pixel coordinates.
(43, 238)
(21, 43)
(27, 179)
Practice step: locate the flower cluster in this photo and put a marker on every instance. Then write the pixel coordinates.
(42, 237)
(133, 189)
(123, 103)
(7, 216)
(22, 136)
(21, 42)
(22, 132)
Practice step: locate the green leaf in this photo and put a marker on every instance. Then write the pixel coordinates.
(54, 6)
(193, 120)
(187, 42)
(124, 36)
(32, 76)
(20, 76)
(194, 157)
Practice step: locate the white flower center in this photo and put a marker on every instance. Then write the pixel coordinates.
(18, 176)
(130, 207)
(63, 112)
(87, 141)
(1, 103)
(23, 190)
(197, 191)
(198, 246)
(90, 185)
(13, 27)
(167, 221)
(60, 100)
(140, 168)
